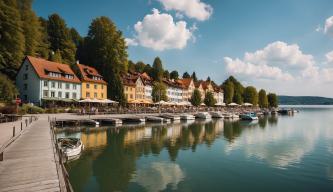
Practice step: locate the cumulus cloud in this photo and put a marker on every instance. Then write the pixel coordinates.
(329, 57)
(328, 28)
(237, 66)
(191, 8)
(159, 32)
(131, 42)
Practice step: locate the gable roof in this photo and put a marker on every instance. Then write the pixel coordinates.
(43, 67)
(186, 82)
(87, 72)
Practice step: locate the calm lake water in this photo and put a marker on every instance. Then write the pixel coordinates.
(276, 153)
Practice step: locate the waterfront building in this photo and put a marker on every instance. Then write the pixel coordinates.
(198, 85)
(134, 88)
(188, 88)
(174, 90)
(92, 84)
(39, 80)
(148, 82)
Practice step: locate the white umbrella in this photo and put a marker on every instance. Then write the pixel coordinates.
(247, 104)
(87, 100)
(233, 104)
(108, 101)
(220, 104)
(202, 104)
(162, 103)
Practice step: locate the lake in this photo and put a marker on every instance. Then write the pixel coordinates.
(276, 153)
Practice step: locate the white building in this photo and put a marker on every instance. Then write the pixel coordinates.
(40, 80)
(174, 91)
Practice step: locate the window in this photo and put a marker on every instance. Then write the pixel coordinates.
(131, 96)
(25, 97)
(87, 85)
(95, 86)
(59, 85)
(102, 86)
(102, 95)
(67, 95)
(53, 84)
(95, 95)
(73, 95)
(25, 86)
(60, 94)
(26, 67)
(52, 94)
(45, 83)
(88, 94)
(45, 93)
(67, 85)
(25, 76)
(74, 87)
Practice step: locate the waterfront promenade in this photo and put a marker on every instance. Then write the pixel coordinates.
(29, 162)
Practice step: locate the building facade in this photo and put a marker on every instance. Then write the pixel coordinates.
(92, 84)
(40, 80)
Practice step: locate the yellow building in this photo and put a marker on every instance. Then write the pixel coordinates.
(93, 86)
(134, 88)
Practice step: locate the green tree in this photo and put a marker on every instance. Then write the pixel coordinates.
(140, 67)
(208, 79)
(263, 100)
(116, 91)
(238, 97)
(106, 51)
(43, 49)
(196, 98)
(148, 69)
(159, 92)
(75, 37)
(8, 90)
(272, 100)
(131, 66)
(60, 38)
(157, 73)
(174, 75)
(251, 95)
(228, 89)
(209, 100)
(56, 56)
(166, 74)
(194, 77)
(186, 75)
(12, 44)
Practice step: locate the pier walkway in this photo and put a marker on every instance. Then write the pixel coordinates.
(29, 163)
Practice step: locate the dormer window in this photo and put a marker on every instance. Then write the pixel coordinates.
(67, 76)
(53, 74)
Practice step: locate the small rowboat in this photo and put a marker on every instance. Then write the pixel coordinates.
(71, 147)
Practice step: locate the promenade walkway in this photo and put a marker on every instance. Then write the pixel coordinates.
(29, 162)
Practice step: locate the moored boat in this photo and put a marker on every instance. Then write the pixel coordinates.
(203, 115)
(248, 116)
(70, 146)
(216, 114)
(187, 117)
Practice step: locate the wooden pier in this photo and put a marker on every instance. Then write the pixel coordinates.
(30, 163)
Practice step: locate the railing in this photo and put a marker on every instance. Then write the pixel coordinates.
(15, 135)
(65, 185)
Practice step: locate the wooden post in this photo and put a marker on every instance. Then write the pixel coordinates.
(21, 126)
(14, 131)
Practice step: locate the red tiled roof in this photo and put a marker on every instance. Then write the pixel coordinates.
(129, 79)
(43, 67)
(88, 72)
(185, 82)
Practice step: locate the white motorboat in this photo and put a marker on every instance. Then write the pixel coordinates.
(171, 117)
(216, 114)
(249, 116)
(187, 117)
(203, 115)
(227, 115)
(70, 146)
(235, 116)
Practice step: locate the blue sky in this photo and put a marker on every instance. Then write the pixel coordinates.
(288, 41)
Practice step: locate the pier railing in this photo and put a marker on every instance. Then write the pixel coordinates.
(16, 134)
(65, 185)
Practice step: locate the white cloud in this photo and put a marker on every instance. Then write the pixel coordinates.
(131, 42)
(280, 54)
(159, 32)
(247, 69)
(328, 28)
(329, 57)
(191, 8)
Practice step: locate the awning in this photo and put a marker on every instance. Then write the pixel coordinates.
(220, 104)
(247, 104)
(58, 99)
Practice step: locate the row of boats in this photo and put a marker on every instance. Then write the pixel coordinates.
(210, 115)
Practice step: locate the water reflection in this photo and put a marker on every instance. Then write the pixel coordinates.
(158, 175)
(146, 157)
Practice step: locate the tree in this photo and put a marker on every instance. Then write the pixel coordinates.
(106, 51)
(75, 37)
(251, 95)
(194, 77)
(140, 67)
(43, 49)
(262, 99)
(238, 98)
(159, 92)
(116, 91)
(186, 75)
(131, 66)
(196, 98)
(174, 75)
(60, 38)
(148, 69)
(208, 79)
(56, 56)
(272, 100)
(166, 74)
(238, 89)
(12, 45)
(209, 100)
(8, 90)
(228, 89)
(157, 73)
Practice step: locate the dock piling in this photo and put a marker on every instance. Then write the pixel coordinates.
(13, 131)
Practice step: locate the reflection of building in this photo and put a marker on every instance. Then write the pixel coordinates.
(94, 139)
(134, 135)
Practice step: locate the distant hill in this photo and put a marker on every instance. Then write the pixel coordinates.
(304, 100)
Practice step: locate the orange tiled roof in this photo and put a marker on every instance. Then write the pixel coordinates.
(43, 67)
(129, 79)
(185, 82)
(88, 72)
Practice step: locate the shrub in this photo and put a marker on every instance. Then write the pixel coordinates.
(30, 109)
